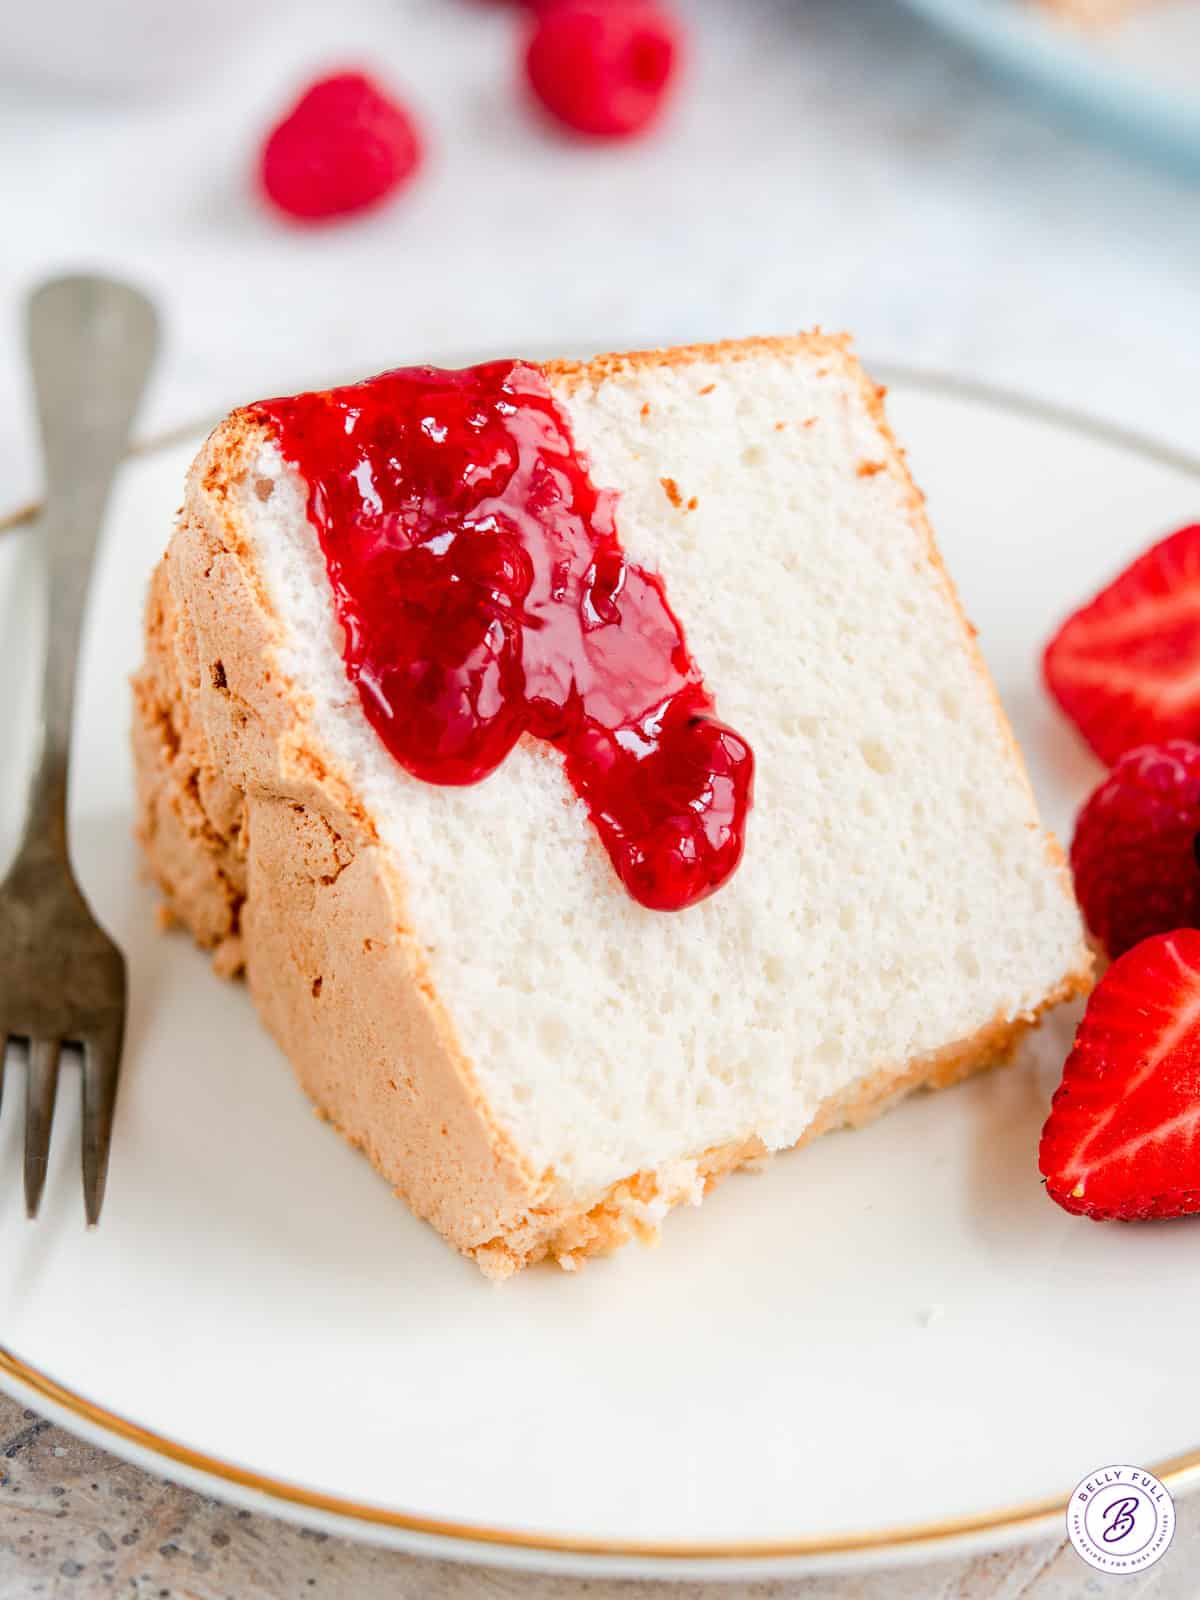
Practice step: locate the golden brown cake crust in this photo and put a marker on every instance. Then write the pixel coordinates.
(568, 376)
(264, 851)
(287, 879)
(622, 1213)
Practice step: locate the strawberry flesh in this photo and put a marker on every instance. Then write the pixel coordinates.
(1126, 668)
(1123, 1136)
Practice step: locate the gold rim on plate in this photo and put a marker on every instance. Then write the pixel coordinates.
(1030, 1517)
(1177, 1473)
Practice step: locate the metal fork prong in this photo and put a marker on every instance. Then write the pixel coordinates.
(41, 1085)
(92, 342)
(101, 1064)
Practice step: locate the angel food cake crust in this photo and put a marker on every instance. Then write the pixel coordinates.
(264, 849)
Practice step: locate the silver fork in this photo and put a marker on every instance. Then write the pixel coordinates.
(62, 979)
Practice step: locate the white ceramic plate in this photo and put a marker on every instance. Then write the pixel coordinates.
(888, 1344)
(1136, 77)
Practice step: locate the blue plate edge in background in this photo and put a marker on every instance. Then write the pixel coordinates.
(1049, 55)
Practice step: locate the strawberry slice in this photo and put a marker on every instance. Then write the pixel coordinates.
(1123, 1136)
(1126, 668)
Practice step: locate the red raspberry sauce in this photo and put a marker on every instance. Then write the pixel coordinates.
(484, 594)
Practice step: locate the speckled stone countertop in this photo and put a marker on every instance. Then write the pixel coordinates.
(76, 1523)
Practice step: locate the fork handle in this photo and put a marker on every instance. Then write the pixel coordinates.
(92, 342)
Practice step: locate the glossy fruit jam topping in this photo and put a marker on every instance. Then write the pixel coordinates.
(484, 594)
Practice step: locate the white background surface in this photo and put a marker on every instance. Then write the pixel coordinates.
(832, 162)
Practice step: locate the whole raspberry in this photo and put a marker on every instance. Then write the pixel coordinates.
(344, 146)
(604, 67)
(1134, 851)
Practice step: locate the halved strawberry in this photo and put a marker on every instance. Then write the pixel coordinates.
(1126, 668)
(1123, 1136)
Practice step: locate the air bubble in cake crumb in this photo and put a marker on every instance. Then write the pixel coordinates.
(773, 969)
(876, 756)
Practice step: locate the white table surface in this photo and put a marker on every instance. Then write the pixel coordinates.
(831, 162)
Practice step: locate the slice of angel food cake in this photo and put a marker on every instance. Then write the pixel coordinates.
(591, 768)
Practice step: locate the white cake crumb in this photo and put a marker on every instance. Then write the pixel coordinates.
(896, 895)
